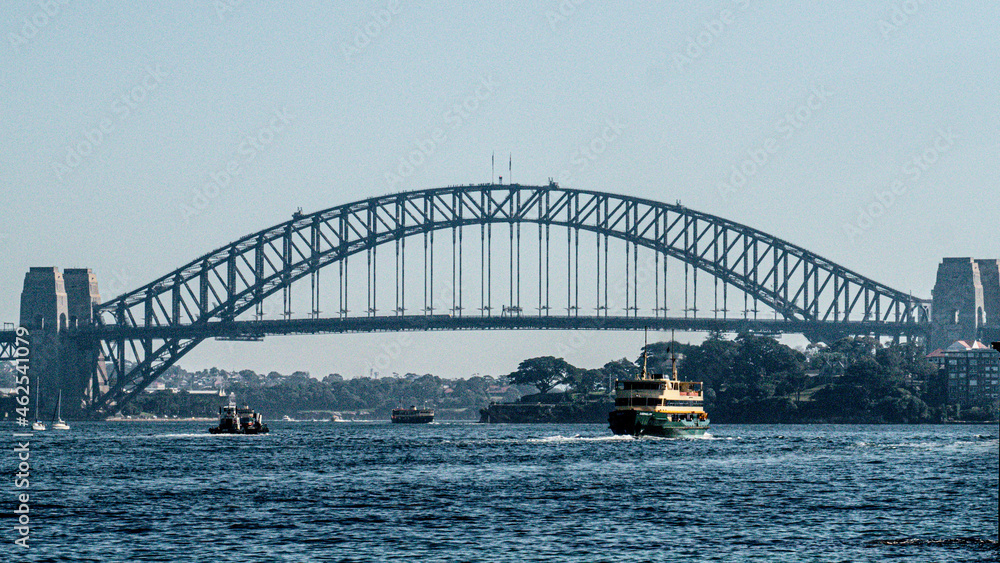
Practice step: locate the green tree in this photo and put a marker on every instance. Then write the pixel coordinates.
(711, 362)
(856, 348)
(544, 373)
(619, 369)
(659, 355)
(763, 367)
(585, 381)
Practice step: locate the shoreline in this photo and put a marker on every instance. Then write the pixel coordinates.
(191, 419)
(469, 420)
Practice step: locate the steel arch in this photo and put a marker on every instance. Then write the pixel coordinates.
(222, 284)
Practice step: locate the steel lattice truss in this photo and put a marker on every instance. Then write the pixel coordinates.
(229, 281)
(8, 345)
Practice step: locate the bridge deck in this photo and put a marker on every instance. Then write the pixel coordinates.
(256, 329)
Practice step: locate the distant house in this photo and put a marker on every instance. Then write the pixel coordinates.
(973, 372)
(215, 392)
(497, 393)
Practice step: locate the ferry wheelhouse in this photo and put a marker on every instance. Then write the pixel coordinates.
(657, 405)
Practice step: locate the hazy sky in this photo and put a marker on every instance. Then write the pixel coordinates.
(117, 116)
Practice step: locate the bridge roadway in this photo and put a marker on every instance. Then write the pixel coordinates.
(257, 329)
(253, 329)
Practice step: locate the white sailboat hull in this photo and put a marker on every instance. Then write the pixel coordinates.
(57, 422)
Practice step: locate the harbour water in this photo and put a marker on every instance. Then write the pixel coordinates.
(170, 491)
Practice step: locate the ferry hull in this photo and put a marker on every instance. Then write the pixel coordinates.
(413, 419)
(232, 430)
(412, 416)
(641, 423)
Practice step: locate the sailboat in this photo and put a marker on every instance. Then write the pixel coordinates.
(38, 425)
(57, 422)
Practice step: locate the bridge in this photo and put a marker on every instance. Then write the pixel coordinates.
(477, 257)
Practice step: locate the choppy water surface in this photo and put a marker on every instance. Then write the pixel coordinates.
(466, 492)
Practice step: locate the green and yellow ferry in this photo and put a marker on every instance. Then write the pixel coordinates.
(655, 405)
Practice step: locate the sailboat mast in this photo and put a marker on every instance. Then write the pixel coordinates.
(38, 383)
(645, 352)
(673, 357)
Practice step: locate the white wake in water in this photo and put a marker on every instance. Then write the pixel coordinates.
(576, 438)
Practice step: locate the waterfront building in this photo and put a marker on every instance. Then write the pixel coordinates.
(973, 373)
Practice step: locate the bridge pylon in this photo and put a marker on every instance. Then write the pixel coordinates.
(52, 304)
(966, 301)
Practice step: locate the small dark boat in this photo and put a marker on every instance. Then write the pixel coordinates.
(413, 415)
(239, 420)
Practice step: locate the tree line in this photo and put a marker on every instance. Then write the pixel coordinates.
(747, 379)
(299, 395)
(854, 380)
(756, 379)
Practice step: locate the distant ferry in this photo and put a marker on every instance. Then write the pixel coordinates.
(413, 415)
(242, 420)
(653, 405)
